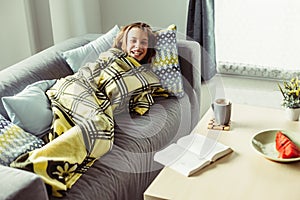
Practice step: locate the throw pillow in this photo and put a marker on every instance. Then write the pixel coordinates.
(14, 141)
(30, 109)
(90, 52)
(165, 63)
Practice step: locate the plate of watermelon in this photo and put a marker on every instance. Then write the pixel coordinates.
(278, 145)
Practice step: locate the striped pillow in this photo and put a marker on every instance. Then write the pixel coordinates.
(14, 141)
(165, 63)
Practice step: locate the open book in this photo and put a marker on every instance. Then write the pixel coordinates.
(191, 153)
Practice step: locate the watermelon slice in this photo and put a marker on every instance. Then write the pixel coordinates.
(286, 147)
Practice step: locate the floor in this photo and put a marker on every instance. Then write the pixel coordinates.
(242, 90)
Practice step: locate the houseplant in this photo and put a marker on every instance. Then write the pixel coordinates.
(291, 97)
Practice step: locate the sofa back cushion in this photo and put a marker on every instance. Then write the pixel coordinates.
(45, 65)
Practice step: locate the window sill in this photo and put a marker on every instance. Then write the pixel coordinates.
(257, 71)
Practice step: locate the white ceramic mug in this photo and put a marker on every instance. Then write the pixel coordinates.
(222, 111)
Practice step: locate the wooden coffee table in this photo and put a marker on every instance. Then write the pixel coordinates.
(244, 174)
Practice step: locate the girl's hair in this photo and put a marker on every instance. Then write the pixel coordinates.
(120, 41)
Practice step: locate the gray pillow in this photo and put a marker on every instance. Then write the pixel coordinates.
(30, 109)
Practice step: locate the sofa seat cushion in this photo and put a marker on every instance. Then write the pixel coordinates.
(162, 125)
(129, 166)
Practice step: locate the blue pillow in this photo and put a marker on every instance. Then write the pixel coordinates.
(90, 52)
(30, 109)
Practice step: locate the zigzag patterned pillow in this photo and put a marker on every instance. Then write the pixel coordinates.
(14, 141)
(165, 63)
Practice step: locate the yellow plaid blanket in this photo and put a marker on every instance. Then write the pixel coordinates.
(83, 105)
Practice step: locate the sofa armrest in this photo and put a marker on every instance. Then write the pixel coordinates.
(189, 53)
(190, 57)
(19, 184)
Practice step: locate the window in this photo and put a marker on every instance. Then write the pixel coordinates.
(258, 37)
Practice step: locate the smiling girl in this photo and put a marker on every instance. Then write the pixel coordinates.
(138, 41)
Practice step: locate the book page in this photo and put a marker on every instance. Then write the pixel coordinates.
(169, 155)
(189, 163)
(179, 159)
(204, 147)
(191, 153)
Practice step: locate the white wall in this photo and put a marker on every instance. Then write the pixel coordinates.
(29, 26)
(38, 24)
(157, 13)
(74, 17)
(14, 34)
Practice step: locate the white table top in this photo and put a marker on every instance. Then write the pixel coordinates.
(243, 174)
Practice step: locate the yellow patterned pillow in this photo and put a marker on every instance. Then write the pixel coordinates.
(14, 141)
(165, 63)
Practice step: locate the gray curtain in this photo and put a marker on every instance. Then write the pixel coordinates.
(200, 27)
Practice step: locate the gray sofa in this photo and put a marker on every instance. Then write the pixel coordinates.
(127, 170)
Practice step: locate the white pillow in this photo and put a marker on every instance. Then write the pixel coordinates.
(90, 52)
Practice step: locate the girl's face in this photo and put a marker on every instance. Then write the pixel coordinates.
(137, 43)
